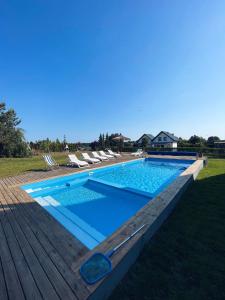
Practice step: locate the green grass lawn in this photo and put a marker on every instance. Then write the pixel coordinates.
(186, 258)
(15, 166)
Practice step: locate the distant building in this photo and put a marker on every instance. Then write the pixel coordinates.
(164, 140)
(149, 138)
(220, 144)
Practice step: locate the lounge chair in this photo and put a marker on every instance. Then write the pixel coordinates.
(96, 155)
(106, 155)
(139, 152)
(113, 153)
(74, 161)
(89, 159)
(50, 162)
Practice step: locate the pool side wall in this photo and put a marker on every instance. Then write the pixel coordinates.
(153, 214)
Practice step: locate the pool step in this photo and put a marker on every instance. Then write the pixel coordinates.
(88, 235)
(121, 187)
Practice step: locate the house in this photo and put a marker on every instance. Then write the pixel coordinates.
(165, 140)
(149, 138)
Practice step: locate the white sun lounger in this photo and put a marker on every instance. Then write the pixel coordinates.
(49, 161)
(113, 153)
(106, 155)
(96, 155)
(73, 160)
(89, 159)
(139, 152)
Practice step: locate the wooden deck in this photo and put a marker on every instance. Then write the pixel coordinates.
(39, 258)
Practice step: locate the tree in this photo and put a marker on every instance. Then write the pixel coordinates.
(46, 145)
(183, 142)
(94, 145)
(101, 141)
(64, 140)
(107, 141)
(12, 141)
(58, 146)
(196, 140)
(212, 139)
(112, 143)
(144, 143)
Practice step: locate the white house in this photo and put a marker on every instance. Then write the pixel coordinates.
(149, 138)
(165, 140)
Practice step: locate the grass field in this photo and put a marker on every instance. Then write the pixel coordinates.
(15, 166)
(186, 258)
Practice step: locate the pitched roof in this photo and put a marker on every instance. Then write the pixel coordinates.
(170, 135)
(150, 136)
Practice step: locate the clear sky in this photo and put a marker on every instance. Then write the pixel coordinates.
(84, 67)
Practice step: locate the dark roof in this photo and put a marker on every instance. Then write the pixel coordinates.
(170, 135)
(150, 136)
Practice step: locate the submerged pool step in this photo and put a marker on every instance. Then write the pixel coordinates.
(37, 192)
(88, 235)
(121, 187)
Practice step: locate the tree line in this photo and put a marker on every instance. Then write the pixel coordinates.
(106, 141)
(198, 141)
(13, 143)
(48, 145)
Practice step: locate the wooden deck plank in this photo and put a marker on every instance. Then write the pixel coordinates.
(74, 281)
(64, 243)
(3, 290)
(56, 279)
(39, 274)
(14, 289)
(27, 281)
(62, 240)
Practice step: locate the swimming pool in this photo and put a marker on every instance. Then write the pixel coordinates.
(95, 203)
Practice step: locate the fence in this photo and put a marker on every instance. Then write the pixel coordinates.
(210, 152)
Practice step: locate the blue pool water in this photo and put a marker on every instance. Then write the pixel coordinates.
(93, 204)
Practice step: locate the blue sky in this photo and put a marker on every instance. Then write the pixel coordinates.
(84, 67)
